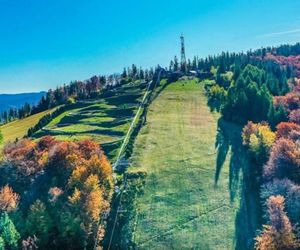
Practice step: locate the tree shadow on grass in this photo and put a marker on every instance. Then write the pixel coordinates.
(121, 99)
(242, 183)
(104, 132)
(214, 105)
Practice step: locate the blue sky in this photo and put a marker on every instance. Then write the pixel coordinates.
(46, 43)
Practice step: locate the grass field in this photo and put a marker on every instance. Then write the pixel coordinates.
(104, 120)
(195, 192)
(19, 128)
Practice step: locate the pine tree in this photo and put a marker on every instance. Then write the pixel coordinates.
(176, 64)
(2, 244)
(39, 222)
(8, 232)
(124, 74)
(195, 63)
(171, 66)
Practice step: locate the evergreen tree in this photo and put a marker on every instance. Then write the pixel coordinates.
(176, 64)
(142, 75)
(280, 115)
(171, 66)
(39, 222)
(195, 63)
(124, 74)
(8, 232)
(2, 244)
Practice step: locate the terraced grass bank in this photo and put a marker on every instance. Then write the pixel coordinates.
(104, 120)
(194, 195)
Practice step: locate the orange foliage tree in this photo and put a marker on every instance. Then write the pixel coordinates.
(8, 199)
(72, 180)
(279, 234)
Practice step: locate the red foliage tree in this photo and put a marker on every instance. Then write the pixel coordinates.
(284, 161)
(284, 129)
(295, 116)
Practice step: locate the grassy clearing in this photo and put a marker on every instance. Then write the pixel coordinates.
(19, 128)
(194, 195)
(105, 120)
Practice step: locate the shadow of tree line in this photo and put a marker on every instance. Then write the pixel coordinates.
(241, 181)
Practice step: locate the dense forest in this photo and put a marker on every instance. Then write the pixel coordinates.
(55, 193)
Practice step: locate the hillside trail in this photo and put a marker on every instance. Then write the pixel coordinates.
(195, 195)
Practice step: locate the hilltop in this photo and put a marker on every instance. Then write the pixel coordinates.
(190, 156)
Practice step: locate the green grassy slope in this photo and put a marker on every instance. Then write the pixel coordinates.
(19, 128)
(104, 120)
(194, 196)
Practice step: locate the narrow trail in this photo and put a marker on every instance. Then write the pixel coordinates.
(125, 140)
(124, 144)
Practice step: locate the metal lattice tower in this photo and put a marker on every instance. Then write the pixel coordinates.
(183, 59)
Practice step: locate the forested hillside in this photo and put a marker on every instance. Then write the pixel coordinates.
(201, 154)
(16, 101)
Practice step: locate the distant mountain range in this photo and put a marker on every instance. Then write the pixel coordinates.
(8, 101)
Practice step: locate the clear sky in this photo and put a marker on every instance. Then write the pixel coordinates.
(45, 43)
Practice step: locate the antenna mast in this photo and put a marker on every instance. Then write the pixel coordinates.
(183, 59)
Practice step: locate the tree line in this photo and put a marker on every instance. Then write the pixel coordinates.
(88, 89)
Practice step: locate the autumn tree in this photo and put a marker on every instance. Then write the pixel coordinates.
(289, 190)
(284, 129)
(71, 183)
(295, 116)
(259, 138)
(279, 233)
(8, 199)
(284, 160)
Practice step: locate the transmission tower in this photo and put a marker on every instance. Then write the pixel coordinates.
(183, 59)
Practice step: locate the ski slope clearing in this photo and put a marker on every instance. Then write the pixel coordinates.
(194, 194)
